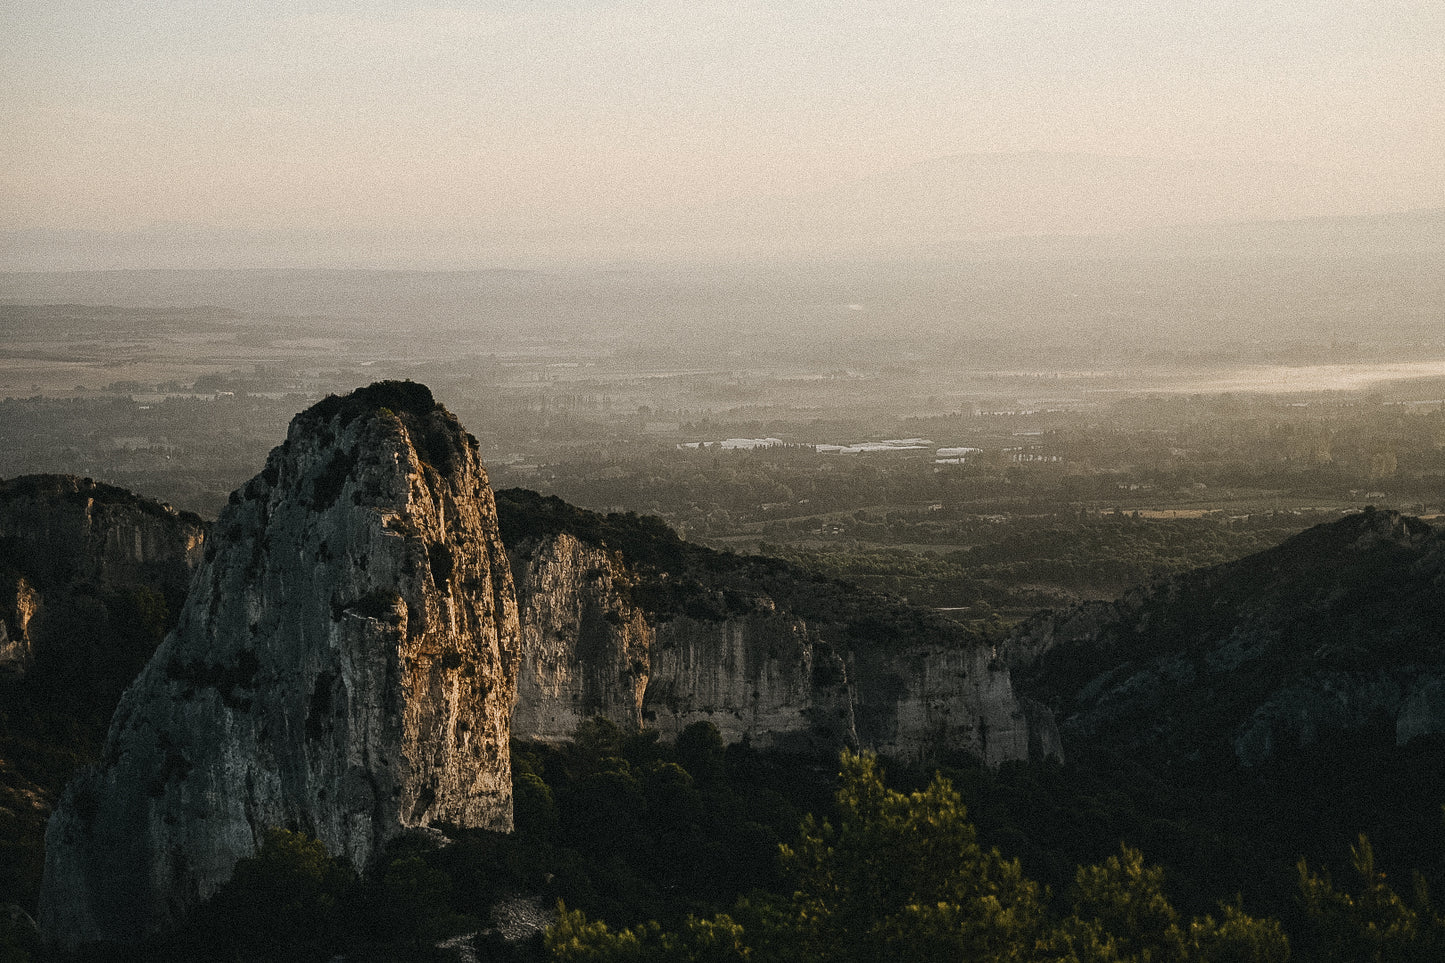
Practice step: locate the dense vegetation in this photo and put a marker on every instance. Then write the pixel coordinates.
(1017, 566)
(713, 853)
(902, 876)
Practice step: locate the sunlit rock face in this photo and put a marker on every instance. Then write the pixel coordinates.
(345, 665)
(58, 533)
(589, 650)
(19, 604)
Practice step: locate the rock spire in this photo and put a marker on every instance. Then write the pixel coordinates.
(345, 665)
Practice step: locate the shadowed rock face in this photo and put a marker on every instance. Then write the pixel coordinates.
(1338, 630)
(59, 532)
(345, 664)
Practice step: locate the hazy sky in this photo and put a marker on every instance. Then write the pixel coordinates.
(154, 132)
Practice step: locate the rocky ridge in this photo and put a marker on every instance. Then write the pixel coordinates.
(624, 620)
(344, 665)
(1339, 629)
(358, 646)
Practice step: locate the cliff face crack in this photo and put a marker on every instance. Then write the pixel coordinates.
(318, 713)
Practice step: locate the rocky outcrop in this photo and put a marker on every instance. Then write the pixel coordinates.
(72, 529)
(587, 649)
(344, 665)
(19, 603)
(68, 543)
(1340, 629)
(623, 620)
(357, 647)
(764, 675)
(915, 702)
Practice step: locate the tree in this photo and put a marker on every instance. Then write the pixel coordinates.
(700, 750)
(1374, 923)
(1120, 913)
(280, 904)
(575, 939)
(902, 876)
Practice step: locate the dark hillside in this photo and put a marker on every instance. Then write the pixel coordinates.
(1338, 629)
(91, 577)
(1233, 719)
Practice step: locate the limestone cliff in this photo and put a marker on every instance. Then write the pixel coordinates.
(622, 619)
(763, 674)
(344, 665)
(925, 699)
(587, 649)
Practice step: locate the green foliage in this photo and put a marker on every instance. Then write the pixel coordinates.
(576, 939)
(1373, 923)
(1120, 913)
(281, 904)
(902, 876)
(534, 810)
(700, 750)
(409, 905)
(407, 397)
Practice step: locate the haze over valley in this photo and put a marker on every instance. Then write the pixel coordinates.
(722, 481)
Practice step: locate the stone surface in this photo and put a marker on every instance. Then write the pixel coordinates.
(61, 535)
(918, 701)
(19, 603)
(344, 665)
(665, 635)
(587, 649)
(765, 675)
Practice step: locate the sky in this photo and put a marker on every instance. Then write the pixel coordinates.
(506, 132)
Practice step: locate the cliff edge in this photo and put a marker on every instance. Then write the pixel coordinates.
(345, 664)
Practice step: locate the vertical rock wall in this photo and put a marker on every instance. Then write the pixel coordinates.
(345, 665)
(62, 536)
(757, 671)
(587, 648)
(916, 701)
(764, 675)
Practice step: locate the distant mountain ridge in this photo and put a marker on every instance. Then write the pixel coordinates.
(938, 206)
